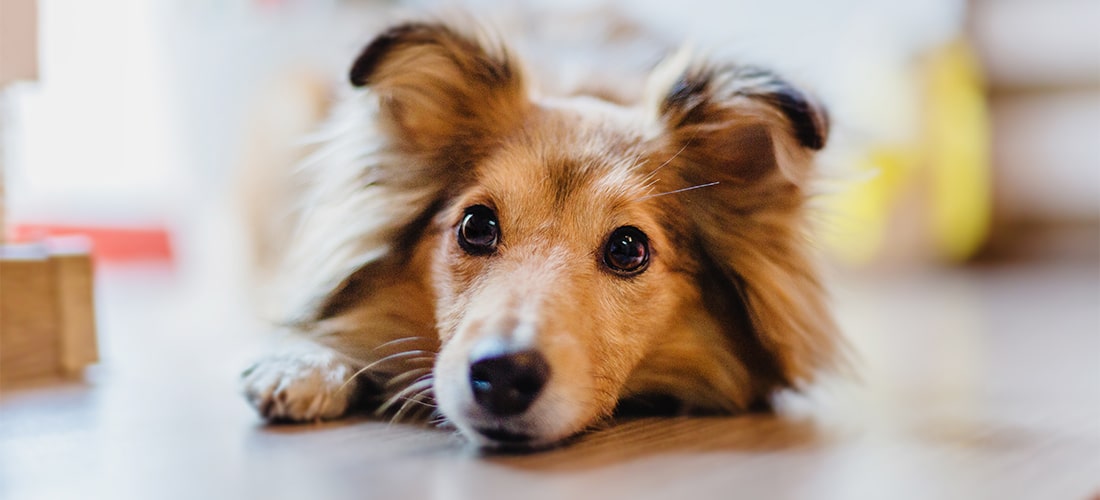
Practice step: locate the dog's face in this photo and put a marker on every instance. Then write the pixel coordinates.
(554, 272)
(584, 252)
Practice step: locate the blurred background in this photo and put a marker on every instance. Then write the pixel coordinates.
(960, 203)
(964, 130)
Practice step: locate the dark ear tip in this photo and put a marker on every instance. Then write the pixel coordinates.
(816, 134)
(689, 95)
(810, 121)
(823, 125)
(376, 50)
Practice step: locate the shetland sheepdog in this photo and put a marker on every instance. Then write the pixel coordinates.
(518, 264)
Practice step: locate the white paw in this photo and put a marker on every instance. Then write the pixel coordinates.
(300, 387)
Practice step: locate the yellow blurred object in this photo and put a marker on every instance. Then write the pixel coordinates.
(863, 210)
(957, 143)
(948, 166)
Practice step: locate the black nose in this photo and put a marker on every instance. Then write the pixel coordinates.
(507, 385)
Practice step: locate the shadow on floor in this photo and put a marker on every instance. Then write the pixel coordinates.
(638, 439)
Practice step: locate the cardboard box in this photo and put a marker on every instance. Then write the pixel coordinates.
(47, 314)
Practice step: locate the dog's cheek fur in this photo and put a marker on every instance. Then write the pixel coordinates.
(696, 356)
(620, 321)
(452, 275)
(634, 315)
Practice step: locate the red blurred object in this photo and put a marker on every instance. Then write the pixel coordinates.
(109, 244)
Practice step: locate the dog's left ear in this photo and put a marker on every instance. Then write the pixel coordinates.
(745, 121)
(750, 137)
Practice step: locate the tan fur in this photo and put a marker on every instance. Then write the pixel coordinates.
(712, 166)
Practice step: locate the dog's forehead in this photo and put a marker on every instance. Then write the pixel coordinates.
(576, 145)
(569, 162)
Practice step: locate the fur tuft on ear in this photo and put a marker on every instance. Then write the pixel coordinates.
(439, 87)
(749, 137)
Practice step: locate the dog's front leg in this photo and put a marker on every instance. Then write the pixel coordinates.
(303, 382)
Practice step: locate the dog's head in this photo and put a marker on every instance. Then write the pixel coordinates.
(584, 253)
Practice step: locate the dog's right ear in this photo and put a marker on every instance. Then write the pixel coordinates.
(441, 91)
(435, 98)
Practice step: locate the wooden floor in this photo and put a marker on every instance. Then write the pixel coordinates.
(972, 384)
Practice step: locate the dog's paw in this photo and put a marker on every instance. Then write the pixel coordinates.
(300, 387)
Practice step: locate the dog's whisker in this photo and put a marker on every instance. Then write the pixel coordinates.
(411, 352)
(681, 190)
(403, 340)
(352, 377)
(408, 410)
(393, 357)
(425, 398)
(418, 362)
(403, 355)
(414, 403)
(404, 393)
(420, 373)
(403, 411)
(417, 394)
(668, 161)
(648, 186)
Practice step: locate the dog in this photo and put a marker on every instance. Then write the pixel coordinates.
(519, 265)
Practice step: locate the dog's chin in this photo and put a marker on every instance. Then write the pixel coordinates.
(544, 425)
(521, 433)
(500, 439)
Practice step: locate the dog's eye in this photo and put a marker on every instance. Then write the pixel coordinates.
(478, 233)
(627, 251)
